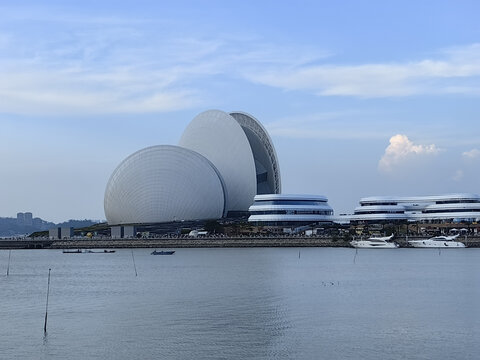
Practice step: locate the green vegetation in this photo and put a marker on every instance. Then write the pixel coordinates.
(213, 226)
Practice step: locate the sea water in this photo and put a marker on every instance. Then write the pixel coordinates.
(245, 303)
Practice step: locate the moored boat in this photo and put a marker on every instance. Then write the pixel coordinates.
(375, 243)
(88, 251)
(155, 252)
(438, 242)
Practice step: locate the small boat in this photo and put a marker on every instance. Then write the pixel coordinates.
(88, 251)
(99, 252)
(438, 242)
(375, 243)
(155, 252)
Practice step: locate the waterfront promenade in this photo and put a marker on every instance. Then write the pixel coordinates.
(204, 242)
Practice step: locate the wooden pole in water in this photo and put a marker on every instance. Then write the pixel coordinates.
(8, 266)
(134, 266)
(46, 307)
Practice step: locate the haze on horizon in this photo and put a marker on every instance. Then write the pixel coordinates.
(360, 98)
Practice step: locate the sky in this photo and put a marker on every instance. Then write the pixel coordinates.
(360, 98)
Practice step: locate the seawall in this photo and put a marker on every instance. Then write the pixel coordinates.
(200, 243)
(204, 242)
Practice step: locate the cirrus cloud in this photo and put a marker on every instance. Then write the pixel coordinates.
(449, 72)
(114, 65)
(472, 154)
(401, 149)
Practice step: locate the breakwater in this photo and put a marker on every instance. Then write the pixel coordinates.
(203, 242)
(212, 242)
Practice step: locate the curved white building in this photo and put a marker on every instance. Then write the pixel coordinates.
(165, 183)
(218, 137)
(449, 207)
(221, 162)
(266, 162)
(282, 209)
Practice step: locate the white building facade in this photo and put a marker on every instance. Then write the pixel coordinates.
(288, 210)
(221, 162)
(461, 207)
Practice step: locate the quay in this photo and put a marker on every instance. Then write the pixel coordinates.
(25, 243)
(203, 242)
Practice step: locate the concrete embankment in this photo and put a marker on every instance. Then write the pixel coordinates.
(206, 242)
(200, 243)
(297, 241)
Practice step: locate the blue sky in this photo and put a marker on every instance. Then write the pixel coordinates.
(361, 98)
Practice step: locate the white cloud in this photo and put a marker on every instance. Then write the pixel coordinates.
(124, 68)
(57, 92)
(400, 150)
(109, 65)
(447, 74)
(472, 154)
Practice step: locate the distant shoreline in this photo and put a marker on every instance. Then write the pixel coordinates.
(204, 242)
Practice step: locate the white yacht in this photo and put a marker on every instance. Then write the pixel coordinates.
(438, 242)
(375, 243)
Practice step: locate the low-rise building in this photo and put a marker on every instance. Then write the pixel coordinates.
(462, 207)
(290, 210)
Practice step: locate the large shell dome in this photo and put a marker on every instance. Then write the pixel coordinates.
(223, 160)
(161, 184)
(218, 136)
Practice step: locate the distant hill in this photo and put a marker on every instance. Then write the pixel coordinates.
(13, 227)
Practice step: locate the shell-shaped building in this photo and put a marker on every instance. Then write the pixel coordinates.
(222, 161)
(266, 163)
(164, 182)
(217, 136)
